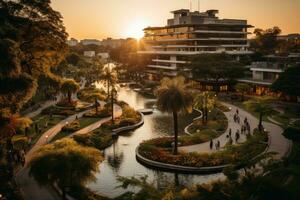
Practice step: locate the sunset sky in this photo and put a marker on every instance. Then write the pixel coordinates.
(126, 18)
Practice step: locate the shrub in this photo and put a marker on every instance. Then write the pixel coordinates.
(20, 142)
(90, 94)
(67, 104)
(72, 127)
(159, 150)
(104, 112)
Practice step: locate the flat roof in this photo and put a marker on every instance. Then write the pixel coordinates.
(180, 11)
(193, 25)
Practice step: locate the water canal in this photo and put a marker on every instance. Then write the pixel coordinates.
(120, 158)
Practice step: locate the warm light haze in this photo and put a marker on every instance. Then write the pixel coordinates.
(118, 18)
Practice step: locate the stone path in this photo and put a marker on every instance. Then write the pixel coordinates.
(277, 142)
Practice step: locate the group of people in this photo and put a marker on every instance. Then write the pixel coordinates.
(245, 129)
(217, 144)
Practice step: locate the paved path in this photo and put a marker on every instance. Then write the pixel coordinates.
(94, 126)
(30, 188)
(278, 143)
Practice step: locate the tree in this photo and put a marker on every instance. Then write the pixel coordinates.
(65, 163)
(242, 88)
(288, 82)
(73, 59)
(266, 41)
(69, 86)
(33, 40)
(213, 68)
(205, 101)
(260, 105)
(174, 98)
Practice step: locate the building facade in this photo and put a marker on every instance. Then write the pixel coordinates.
(264, 73)
(91, 42)
(191, 33)
(72, 42)
(89, 54)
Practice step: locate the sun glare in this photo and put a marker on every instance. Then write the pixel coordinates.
(135, 29)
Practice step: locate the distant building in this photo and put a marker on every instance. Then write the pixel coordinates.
(104, 55)
(264, 73)
(72, 42)
(191, 33)
(90, 42)
(89, 54)
(112, 43)
(289, 37)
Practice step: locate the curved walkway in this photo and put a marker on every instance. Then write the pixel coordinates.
(94, 126)
(29, 187)
(277, 142)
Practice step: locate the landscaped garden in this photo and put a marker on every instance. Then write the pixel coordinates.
(91, 93)
(74, 126)
(160, 150)
(203, 131)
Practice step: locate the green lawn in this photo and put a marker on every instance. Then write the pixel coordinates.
(84, 121)
(42, 120)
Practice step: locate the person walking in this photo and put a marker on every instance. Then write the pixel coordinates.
(211, 144)
(219, 144)
(230, 132)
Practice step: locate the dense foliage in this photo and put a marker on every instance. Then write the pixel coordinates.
(32, 41)
(289, 81)
(65, 163)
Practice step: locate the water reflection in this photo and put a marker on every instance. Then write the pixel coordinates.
(120, 158)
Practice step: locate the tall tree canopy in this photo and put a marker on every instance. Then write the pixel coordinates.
(174, 98)
(265, 41)
(216, 67)
(289, 81)
(33, 39)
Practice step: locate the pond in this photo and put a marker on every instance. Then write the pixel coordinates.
(120, 158)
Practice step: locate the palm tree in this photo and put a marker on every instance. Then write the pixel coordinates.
(174, 98)
(113, 95)
(110, 77)
(260, 105)
(205, 101)
(69, 86)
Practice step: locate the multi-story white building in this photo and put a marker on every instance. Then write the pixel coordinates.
(89, 54)
(90, 42)
(191, 33)
(72, 42)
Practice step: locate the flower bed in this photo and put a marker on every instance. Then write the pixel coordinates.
(99, 139)
(129, 117)
(159, 150)
(103, 112)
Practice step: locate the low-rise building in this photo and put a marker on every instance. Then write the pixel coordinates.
(91, 42)
(72, 42)
(112, 43)
(264, 73)
(89, 54)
